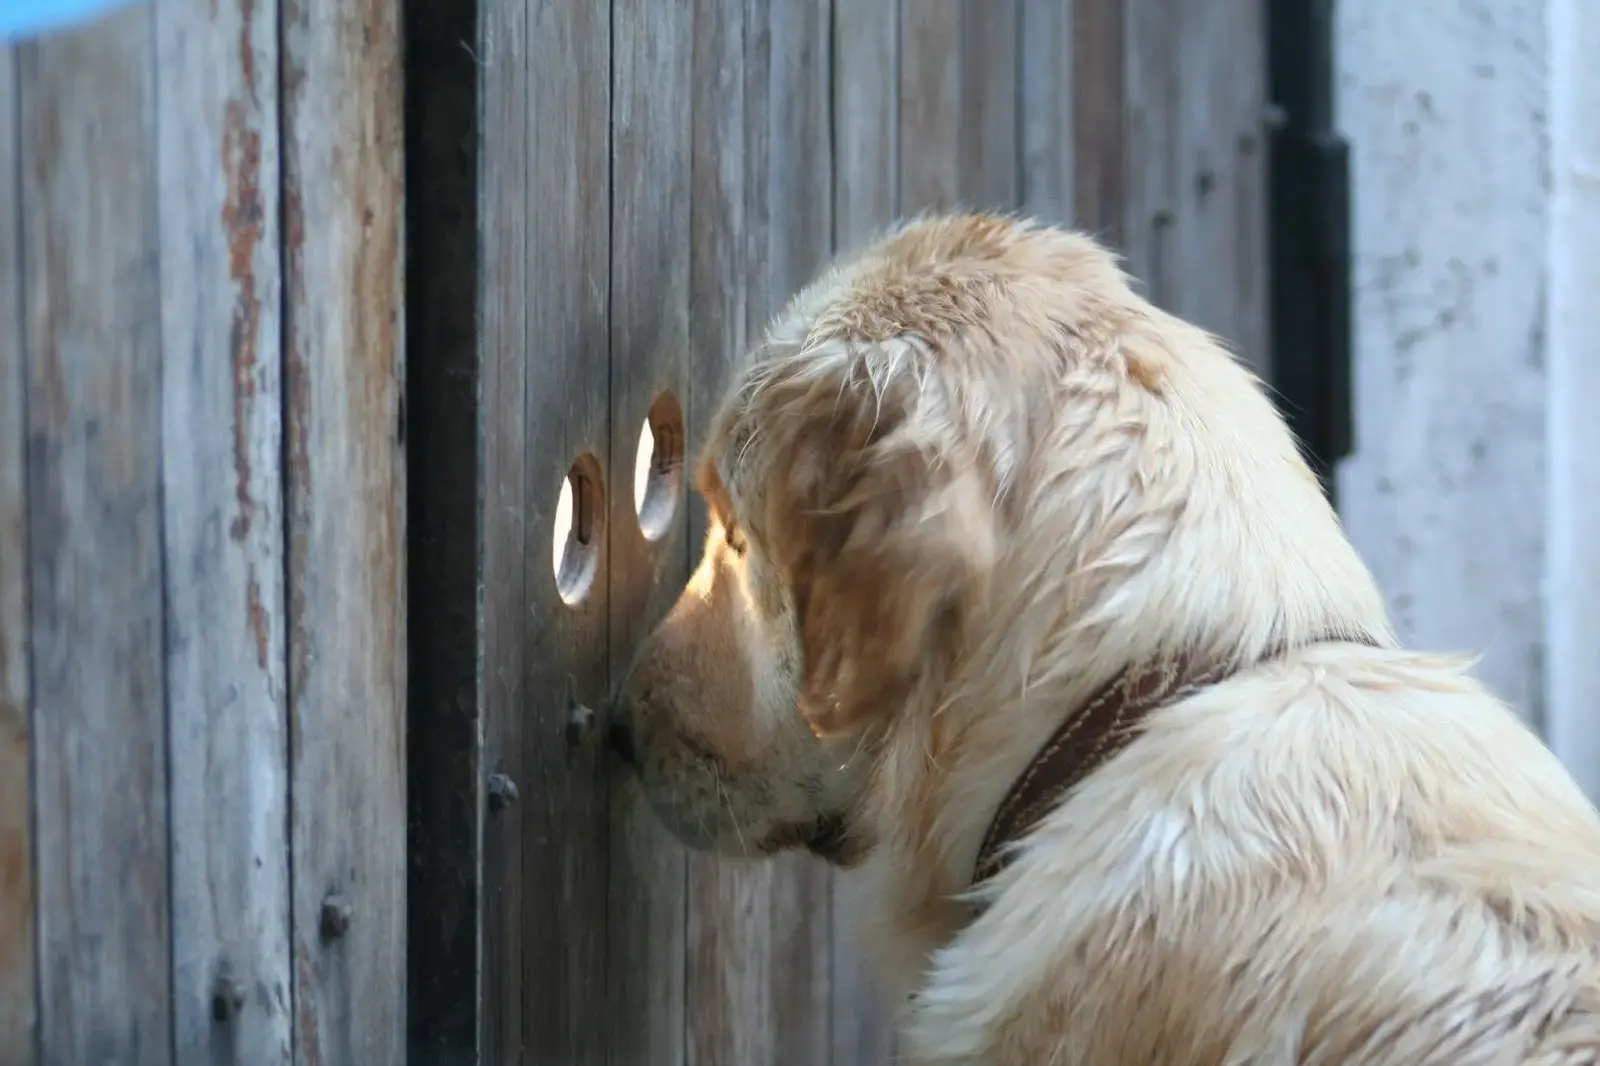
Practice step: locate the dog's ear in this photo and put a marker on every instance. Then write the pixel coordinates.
(880, 514)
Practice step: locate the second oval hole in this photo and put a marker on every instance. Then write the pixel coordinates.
(658, 466)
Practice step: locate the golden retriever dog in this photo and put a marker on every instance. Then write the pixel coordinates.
(1018, 594)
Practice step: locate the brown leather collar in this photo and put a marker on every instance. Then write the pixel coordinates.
(1086, 740)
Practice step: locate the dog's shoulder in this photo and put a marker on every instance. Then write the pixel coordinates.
(1349, 857)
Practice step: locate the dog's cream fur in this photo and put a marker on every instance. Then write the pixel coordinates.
(968, 478)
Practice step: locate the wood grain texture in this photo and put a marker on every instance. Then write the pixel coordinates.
(343, 194)
(652, 50)
(18, 1006)
(866, 126)
(564, 808)
(930, 162)
(1098, 92)
(959, 142)
(1221, 186)
(1152, 89)
(990, 151)
(443, 485)
(221, 402)
(1045, 185)
(866, 118)
(93, 406)
(1195, 210)
(509, 538)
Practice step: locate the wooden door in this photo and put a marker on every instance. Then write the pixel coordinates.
(651, 181)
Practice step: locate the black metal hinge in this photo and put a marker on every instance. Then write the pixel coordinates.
(1310, 234)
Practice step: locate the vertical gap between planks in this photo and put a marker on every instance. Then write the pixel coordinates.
(898, 13)
(517, 1038)
(613, 485)
(445, 791)
(286, 515)
(1019, 95)
(164, 640)
(835, 192)
(16, 653)
(830, 189)
(28, 710)
(833, 124)
(687, 399)
(901, 17)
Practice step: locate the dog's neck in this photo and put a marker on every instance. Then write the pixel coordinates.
(926, 874)
(1186, 554)
(944, 771)
(1086, 739)
(1092, 735)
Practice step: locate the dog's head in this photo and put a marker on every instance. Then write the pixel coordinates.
(849, 540)
(850, 484)
(946, 474)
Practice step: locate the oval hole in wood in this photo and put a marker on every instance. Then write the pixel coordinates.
(579, 526)
(658, 467)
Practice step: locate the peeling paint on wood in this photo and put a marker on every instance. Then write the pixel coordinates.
(222, 447)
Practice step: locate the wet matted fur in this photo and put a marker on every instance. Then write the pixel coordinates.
(967, 478)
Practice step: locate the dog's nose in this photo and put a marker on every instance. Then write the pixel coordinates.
(619, 731)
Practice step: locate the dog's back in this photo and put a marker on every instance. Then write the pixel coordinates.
(1351, 856)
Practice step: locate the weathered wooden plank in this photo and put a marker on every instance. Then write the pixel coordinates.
(1045, 182)
(1195, 208)
(930, 159)
(564, 821)
(443, 481)
(990, 149)
(862, 1017)
(93, 400)
(221, 429)
(509, 537)
(1152, 89)
(343, 193)
(652, 50)
(866, 118)
(866, 125)
(18, 1006)
(1221, 185)
(794, 148)
(958, 104)
(727, 978)
(1098, 91)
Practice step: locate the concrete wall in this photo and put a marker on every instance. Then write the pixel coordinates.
(1476, 219)
(1573, 613)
